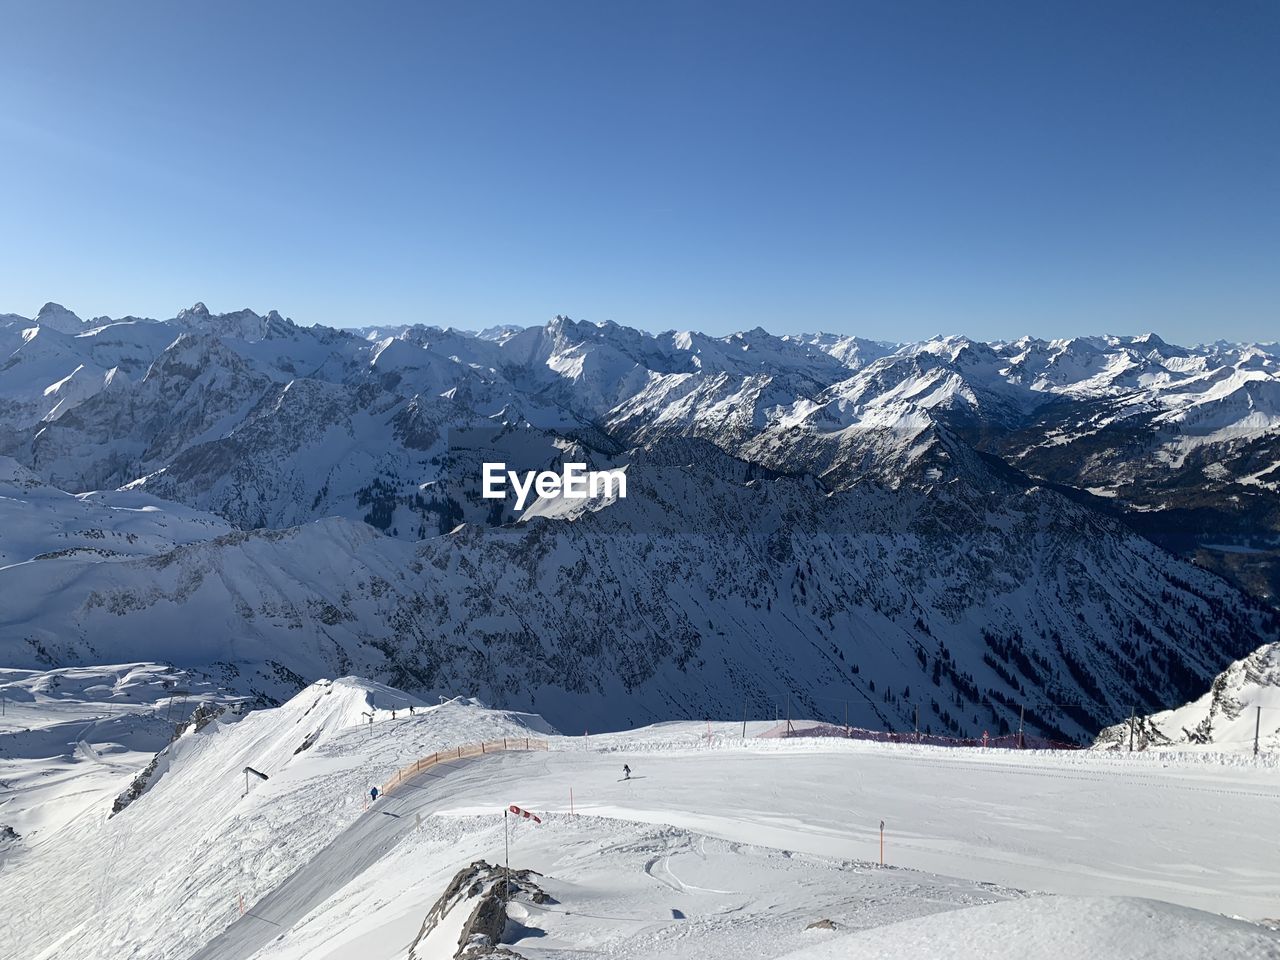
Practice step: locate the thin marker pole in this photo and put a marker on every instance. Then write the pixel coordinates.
(882, 843)
(1257, 726)
(506, 843)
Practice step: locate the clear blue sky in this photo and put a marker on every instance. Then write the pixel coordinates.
(893, 169)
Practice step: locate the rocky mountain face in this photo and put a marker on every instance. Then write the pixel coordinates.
(1239, 713)
(1181, 442)
(951, 526)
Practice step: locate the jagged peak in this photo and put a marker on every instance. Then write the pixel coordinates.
(57, 317)
(196, 311)
(1149, 339)
(245, 324)
(51, 308)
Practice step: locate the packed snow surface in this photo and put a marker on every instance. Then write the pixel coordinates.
(1056, 928)
(719, 844)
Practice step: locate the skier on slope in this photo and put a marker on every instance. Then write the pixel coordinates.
(373, 795)
(626, 772)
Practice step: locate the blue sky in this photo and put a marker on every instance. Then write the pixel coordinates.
(891, 169)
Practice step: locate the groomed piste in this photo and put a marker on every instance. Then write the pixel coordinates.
(718, 844)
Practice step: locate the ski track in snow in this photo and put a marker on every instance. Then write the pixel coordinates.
(717, 847)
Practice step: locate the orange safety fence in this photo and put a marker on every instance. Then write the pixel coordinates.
(410, 770)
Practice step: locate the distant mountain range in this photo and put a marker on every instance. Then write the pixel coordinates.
(1074, 526)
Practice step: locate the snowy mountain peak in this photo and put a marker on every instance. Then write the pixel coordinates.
(499, 332)
(1150, 339)
(57, 317)
(197, 311)
(240, 324)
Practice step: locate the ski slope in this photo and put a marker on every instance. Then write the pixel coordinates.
(705, 827)
(719, 846)
(343, 861)
(1067, 823)
(1058, 928)
(71, 735)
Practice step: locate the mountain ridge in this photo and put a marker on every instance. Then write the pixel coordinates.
(899, 502)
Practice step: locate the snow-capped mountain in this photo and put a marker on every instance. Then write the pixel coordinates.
(812, 518)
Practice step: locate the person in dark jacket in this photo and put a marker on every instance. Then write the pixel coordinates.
(626, 772)
(373, 795)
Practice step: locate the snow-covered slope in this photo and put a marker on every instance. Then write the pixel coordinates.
(195, 841)
(1058, 928)
(40, 521)
(712, 583)
(1241, 710)
(72, 737)
(719, 845)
